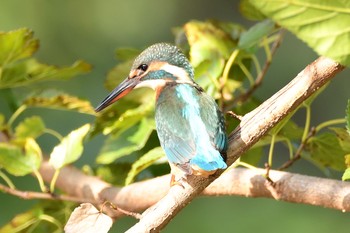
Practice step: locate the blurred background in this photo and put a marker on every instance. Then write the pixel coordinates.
(92, 30)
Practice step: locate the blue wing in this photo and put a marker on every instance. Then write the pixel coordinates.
(190, 128)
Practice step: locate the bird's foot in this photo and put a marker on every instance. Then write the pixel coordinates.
(174, 182)
(234, 115)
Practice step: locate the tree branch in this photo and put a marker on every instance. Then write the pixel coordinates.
(137, 197)
(253, 126)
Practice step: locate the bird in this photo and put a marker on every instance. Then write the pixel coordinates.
(190, 126)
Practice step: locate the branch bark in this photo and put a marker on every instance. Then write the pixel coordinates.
(253, 126)
(244, 182)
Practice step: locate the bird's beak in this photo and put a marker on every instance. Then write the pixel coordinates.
(121, 90)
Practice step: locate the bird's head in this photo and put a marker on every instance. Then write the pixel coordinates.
(154, 67)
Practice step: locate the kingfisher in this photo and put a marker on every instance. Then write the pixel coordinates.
(189, 124)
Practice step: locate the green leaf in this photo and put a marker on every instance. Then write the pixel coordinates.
(325, 149)
(343, 138)
(30, 71)
(15, 45)
(70, 148)
(125, 54)
(19, 162)
(142, 163)
(255, 34)
(133, 139)
(323, 25)
(348, 117)
(207, 41)
(20, 221)
(118, 74)
(346, 175)
(60, 101)
(249, 11)
(30, 127)
(207, 74)
(129, 118)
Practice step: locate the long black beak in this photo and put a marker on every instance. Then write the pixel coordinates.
(121, 90)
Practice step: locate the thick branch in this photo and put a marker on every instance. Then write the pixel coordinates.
(137, 197)
(253, 126)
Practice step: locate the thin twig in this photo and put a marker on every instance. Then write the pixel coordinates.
(300, 149)
(258, 81)
(126, 212)
(39, 195)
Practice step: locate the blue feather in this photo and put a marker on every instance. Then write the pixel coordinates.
(190, 128)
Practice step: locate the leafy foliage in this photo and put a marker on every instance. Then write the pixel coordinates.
(321, 24)
(18, 161)
(70, 148)
(224, 57)
(60, 101)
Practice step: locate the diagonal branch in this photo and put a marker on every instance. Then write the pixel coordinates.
(253, 126)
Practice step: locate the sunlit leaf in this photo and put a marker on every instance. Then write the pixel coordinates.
(346, 175)
(30, 127)
(87, 219)
(70, 148)
(249, 11)
(255, 34)
(323, 25)
(207, 41)
(60, 101)
(208, 73)
(30, 70)
(325, 149)
(129, 141)
(20, 161)
(142, 163)
(17, 44)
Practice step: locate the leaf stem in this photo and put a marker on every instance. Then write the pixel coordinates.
(247, 73)
(54, 179)
(229, 64)
(272, 146)
(54, 133)
(40, 180)
(51, 219)
(307, 123)
(329, 123)
(247, 165)
(7, 180)
(15, 115)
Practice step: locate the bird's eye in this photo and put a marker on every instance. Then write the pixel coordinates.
(143, 67)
